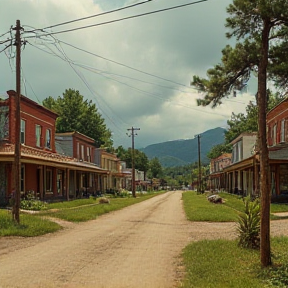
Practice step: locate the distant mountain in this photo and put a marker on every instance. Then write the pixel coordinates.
(183, 152)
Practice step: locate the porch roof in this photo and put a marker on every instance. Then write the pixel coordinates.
(43, 157)
(246, 163)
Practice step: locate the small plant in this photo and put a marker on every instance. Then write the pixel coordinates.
(249, 225)
(29, 202)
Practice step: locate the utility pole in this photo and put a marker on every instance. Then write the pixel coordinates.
(199, 186)
(17, 164)
(132, 134)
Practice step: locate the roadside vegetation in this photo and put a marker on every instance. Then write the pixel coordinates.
(224, 263)
(79, 210)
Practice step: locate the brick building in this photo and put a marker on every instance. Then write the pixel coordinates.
(43, 170)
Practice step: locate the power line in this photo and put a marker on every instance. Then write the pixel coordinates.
(139, 90)
(121, 19)
(124, 65)
(92, 16)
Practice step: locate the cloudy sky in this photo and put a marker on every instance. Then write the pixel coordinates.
(137, 71)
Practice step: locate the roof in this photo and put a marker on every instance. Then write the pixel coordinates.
(42, 157)
(33, 103)
(242, 135)
(279, 152)
(75, 134)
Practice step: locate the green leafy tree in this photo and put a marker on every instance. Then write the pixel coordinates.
(260, 27)
(77, 114)
(218, 150)
(155, 168)
(141, 161)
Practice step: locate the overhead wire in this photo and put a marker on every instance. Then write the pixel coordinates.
(93, 16)
(120, 19)
(83, 79)
(126, 66)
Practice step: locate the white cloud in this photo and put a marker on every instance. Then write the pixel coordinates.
(172, 45)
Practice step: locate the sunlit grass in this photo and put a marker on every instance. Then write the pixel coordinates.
(198, 208)
(30, 225)
(76, 212)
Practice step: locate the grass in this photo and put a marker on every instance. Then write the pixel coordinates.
(30, 225)
(197, 208)
(85, 212)
(222, 263)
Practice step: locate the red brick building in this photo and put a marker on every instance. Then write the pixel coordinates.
(43, 170)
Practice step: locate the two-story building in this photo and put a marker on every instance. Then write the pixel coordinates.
(277, 140)
(216, 179)
(43, 170)
(115, 179)
(241, 177)
(82, 148)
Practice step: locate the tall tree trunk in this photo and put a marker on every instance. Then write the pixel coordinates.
(265, 186)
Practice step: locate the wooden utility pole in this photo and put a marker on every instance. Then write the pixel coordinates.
(17, 163)
(133, 159)
(199, 186)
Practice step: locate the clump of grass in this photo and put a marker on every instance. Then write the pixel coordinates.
(30, 225)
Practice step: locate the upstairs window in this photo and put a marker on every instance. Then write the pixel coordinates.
(88, 154)
(274, 134)
(282, 135)
(48, 139)
(22, 131)
(38, 129)
(82, 152)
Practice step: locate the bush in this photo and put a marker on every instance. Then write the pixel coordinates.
(249, 225)
(29, 202)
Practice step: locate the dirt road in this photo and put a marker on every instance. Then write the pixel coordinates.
(138, 246)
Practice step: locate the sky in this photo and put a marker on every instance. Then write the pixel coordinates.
(137, 71)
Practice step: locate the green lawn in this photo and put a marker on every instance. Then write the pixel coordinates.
(198, 208)
(86, 212)
(30, 225)
(221, 263)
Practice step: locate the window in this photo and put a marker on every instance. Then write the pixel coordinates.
(48, 138)
(274, 134)
(38, 129)
(22, 131)
(48, 180)
(78, 150)
(88, 154)
(282, 136)
(82, 152)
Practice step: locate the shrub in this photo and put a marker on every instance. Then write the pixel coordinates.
(249, 225)
(29, 202)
